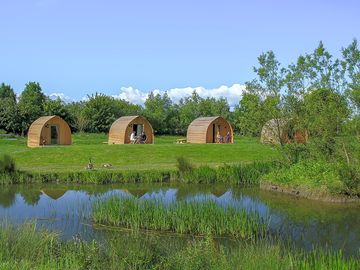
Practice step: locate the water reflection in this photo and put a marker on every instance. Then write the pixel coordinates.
(67, 208)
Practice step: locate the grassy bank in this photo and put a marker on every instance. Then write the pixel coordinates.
(199, 218)
(161, 155)
(245, 174)
(25, 248)
(319, 180)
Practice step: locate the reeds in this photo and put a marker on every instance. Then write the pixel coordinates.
(25, 247)
(199, 218)
(244, 174)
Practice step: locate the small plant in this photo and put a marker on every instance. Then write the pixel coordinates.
(7, 164)
(184, 166)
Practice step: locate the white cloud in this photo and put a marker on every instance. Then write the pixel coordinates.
(132, 95)
(62, 96)
(231, 93)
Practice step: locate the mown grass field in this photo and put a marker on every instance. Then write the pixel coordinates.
(161, 155)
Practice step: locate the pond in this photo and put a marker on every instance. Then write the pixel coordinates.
(66, 209)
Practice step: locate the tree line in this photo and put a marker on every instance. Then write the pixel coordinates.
(318, 92)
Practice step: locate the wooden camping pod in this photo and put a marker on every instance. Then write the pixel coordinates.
(121, 129)
(49, 130)
(205, 130)
(279, 130)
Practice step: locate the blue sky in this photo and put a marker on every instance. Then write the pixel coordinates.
(128, 48)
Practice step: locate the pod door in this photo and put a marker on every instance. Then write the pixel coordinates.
(54, 133)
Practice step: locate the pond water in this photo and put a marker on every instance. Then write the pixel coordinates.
(66, 209)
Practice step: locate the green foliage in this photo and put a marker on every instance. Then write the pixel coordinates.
(100, 111)
(25, 247)
(249, 115)
(9, 115)
(183, 165)
(350, 176)
(326, 111)
(58, 107)
(7, 164)
(294, 152)
(161, 113)
(31, 105)
(319, 177)
(181, 217)
(236, 174)
(6, 92)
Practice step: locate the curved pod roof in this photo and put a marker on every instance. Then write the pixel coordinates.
(39, 133)
(205, 130)
(121, 129)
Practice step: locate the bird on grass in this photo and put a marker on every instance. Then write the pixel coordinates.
(90, 165)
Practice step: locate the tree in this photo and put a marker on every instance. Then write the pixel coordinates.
(248, 115)
(160, 112)
(271, 78)
(31, 105)
(7, 92)
(189, 110)
(57, 107)
(100, 111)
(325, 113)
(8, 109)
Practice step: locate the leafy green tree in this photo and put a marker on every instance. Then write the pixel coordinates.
(9, 116)
(189, 110)
(124, 107)
(160, 112)
(58, 107)
(325, 113)
(7, 92)
(268, 85)
(100, 111)
(79, 123)
(249, 116)
(31, 105)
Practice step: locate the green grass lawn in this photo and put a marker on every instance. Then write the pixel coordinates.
(161, 155)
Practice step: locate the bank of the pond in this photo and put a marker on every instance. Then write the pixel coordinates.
(244, 173)
(194, 217)
(316, 180)
(26, 248)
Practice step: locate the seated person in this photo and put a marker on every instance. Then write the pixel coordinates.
(219, 138)
(143, 137)
(132, 137)
(228, 137)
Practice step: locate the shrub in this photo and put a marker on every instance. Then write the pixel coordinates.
(184, 165)
(350, 176)
(7, 164)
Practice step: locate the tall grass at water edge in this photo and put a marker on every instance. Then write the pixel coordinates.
(243, 173)
(248, 173)
(25, 247)
(183, 217)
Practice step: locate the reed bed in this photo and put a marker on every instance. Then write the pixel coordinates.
(244, 174)
(25, 247)
(236, 174)
(198, 218)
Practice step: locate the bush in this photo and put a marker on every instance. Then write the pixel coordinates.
(295, 152)
(7, 164)
(184, 165)
(350, 176)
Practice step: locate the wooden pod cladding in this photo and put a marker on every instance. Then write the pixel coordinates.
(210, 130)
(121, 129)
(276, 131)
(49, 130)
